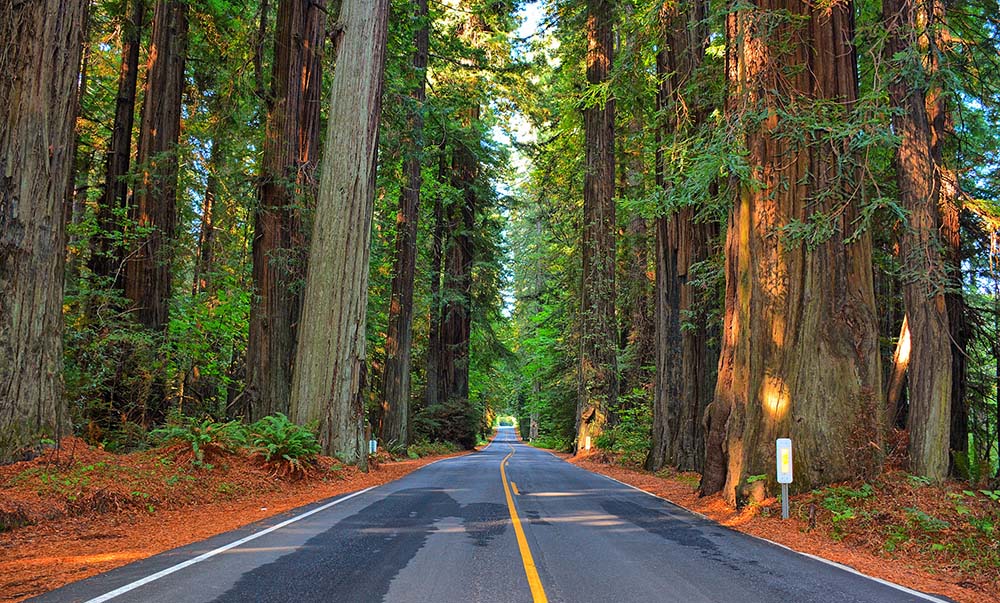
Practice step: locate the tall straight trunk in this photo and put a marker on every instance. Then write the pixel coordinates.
(598, 369)
(685, 359)
(930, 370)
(106, 258)
(148, 270)
(456, 319)
(949, 205)
(38, 85)
(431, 395)
(396, 378)
(329, 376)
(799, 354)
(637, 292)
(291, 149)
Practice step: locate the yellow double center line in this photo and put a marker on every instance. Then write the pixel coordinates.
(534, 582)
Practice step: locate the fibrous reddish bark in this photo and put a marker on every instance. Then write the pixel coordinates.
(291, 149)
(329, 377)
(924, 275)
(396, 378)
(40, 45)
(685, 359)
(106, 257)
(598, 369)
(148, 269)
(799, 354)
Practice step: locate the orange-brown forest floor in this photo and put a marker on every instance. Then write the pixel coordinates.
(939, 539)
(78, 511)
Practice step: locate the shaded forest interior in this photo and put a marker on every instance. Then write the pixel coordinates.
(672, 230)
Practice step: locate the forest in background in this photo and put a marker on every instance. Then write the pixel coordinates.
(710, 238)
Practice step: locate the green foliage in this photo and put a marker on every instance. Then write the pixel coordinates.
(841, 501)
(629, 438)
(202, 436)
(277, 439)
(427, 448)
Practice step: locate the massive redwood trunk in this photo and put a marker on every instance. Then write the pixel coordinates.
(456, 313)
(329, 378)
(799, 354)
(106, 257)
(598, 369)
(930, 370)
(291, 149)
(39, 66)
(684, 357)
(432, 393)
(396, 378)
(949, 206)
(148, 270)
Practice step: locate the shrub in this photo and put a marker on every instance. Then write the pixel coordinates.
(202, 436)
(426, 448)
(278, 440)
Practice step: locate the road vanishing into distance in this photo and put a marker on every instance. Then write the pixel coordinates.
(508, 523)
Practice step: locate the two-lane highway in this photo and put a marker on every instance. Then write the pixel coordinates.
(509, 523)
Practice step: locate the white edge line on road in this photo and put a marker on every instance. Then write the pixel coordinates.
(840, 566)
(166, 572)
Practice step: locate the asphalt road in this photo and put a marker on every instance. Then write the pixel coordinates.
(509, 523)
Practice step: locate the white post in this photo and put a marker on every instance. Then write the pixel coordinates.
(783, 447)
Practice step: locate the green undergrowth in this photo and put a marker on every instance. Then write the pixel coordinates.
(424, 448)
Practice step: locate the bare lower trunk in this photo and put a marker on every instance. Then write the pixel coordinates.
(39, 65)
(799, 354)
(329, 380)
(598, 369)
(396, 378)
(148, 270)
(288, 185)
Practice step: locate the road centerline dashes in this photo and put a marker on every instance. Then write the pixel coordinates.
(534, 582)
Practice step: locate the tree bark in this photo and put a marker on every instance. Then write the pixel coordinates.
(598, 372)
(925, 279)
(456, 319)
(431, 395)
(329, 375)
(148, 270)
(799, 354)
(40, 46)
(685, 359)
(949, 205)
(291, 149)
(396, 378)
(106, 259)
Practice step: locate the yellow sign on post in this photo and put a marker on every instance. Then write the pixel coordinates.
(784, 462)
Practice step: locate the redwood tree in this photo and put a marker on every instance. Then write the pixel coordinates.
(291, 149)
(799, 354)
(329, 371)
(598, 371)
(148, 273)
(40, 45)
(396, 378)
(106, 256)
(684, 357)
(929, 374)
